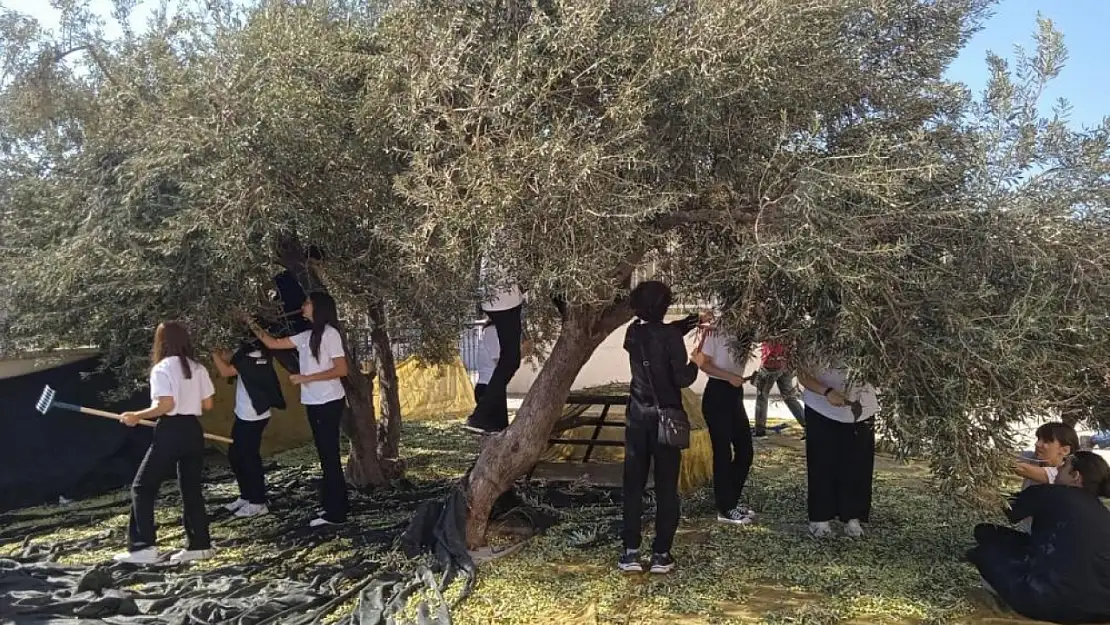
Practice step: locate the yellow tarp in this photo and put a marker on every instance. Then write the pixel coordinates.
(426, 392)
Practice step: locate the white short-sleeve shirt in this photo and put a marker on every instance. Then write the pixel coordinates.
(331, 347)
(837, 378)
(168, 380)
(489, 350)
(716, 346)
(502, 295)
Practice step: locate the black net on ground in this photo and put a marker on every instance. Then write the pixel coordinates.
(64, 454)
(281, 576)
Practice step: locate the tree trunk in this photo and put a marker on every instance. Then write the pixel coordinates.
(389, 424)
(510, 454)
(364, 468)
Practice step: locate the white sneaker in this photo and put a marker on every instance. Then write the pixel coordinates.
(820, 530)
(736, 516)
(252, 509)
(185, 555)
(142, 556)
(321, 522)
(235, 505)
(853, 529)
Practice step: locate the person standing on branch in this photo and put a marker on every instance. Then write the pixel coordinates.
(323, 364)
(729, 430)
(840, 448)
(660, 370)
(504, 305)
(180, 389)
(489, 352)
(257, 390)
(775, 371)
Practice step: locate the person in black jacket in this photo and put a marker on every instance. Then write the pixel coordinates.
(257, 391)
(661, 346)
(1061, 571)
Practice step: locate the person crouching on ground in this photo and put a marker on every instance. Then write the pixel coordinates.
(257, 390)
(1061, 571)
(660, 369)
(729, 430)
(180, 389)
(840, 448)
(322, 360)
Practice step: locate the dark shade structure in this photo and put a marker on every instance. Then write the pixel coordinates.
(63, 454)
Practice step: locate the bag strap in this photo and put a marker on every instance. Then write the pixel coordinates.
(647, 367)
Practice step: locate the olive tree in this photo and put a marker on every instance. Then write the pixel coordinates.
(805, 163)
(167, 173)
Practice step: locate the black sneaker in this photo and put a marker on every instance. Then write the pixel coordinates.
(629, 562)
(662, 563)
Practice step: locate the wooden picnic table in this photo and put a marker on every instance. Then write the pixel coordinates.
(574, 416)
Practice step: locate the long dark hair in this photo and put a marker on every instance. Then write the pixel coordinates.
(172, 339)
(1095, 472)
(323, 315)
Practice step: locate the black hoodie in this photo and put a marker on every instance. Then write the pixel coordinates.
(259, 378)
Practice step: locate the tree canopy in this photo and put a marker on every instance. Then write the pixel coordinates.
(805, 163)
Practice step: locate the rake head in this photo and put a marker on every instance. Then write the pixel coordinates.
(46, 400)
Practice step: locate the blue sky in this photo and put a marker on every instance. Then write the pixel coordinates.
(1085, 81)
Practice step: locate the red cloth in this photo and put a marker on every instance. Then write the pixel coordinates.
(775, 355)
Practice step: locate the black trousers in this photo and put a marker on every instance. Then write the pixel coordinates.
(492, 410)
(641, 447)
(840, 463)
(1001, 555)
(501, 414)
(245, 457)
(324, 420)
(178, 443)
(731, 435)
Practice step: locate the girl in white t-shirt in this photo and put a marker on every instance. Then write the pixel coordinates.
(180, 390)
(323, 365)
(729, 429)
(840, 448)
(1055, 442)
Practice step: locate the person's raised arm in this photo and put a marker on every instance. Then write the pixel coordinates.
(1031, 472)
(269, 341)
(685, 371)
(223, 364)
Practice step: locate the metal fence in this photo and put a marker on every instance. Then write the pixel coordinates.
(404, 342)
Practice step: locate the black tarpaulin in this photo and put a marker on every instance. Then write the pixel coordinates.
(64, 454)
